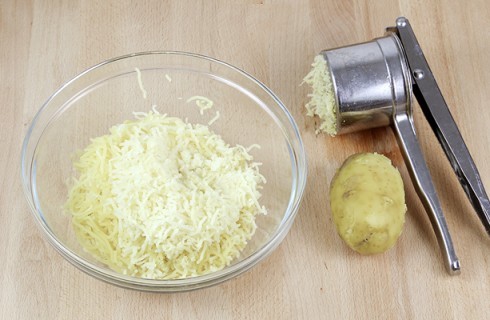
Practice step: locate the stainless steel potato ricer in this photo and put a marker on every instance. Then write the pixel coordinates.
(373, 84)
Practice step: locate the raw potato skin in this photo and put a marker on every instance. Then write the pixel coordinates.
(367, 200)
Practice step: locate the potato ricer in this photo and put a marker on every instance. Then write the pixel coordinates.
(373, 84)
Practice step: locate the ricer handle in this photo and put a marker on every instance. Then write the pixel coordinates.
(435, 109)
(422, 181)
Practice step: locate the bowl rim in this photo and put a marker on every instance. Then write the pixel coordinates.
(299, 169)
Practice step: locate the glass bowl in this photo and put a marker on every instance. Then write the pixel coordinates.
(108, 94)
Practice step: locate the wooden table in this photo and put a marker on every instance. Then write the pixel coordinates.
(312, 275)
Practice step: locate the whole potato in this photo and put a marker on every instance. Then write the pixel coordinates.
(367, 200)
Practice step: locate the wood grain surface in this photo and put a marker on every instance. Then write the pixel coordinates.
(312, 275)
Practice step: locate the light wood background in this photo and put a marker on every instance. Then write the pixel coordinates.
(312, 275)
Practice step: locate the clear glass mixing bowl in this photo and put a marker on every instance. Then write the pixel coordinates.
(108, 93)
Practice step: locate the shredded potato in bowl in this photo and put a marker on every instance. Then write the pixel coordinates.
(161, 198)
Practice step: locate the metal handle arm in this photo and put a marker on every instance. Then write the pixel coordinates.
(422, 181)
